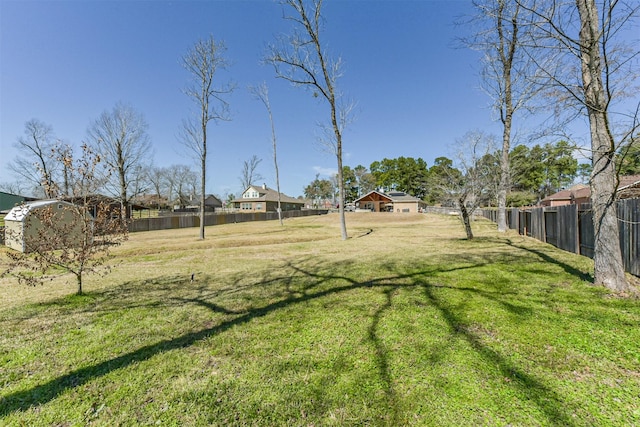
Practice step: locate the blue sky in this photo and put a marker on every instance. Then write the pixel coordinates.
(65, 62)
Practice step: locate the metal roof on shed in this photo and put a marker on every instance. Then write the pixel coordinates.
(19, 213)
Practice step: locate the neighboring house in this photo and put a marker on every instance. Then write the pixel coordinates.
(151, 200)
(575, 195)
(318, 204)
(24, 229)
(629, 187)
(93, 201)
(8, 201)
(394, 201)
(264, 199)
(192, 203)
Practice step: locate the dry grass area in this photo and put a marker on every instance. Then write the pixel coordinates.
(179, 253)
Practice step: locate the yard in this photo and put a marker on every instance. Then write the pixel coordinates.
(405, 323)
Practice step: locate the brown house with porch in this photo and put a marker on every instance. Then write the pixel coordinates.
(396, 201)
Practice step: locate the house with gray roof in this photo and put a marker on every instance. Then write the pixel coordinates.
(264, 199)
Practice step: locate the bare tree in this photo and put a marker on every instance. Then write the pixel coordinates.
(158, 179)
(262, 93)
(473, 180)
(594, 69)
(69, 239)
(507, 74)
(203, 62)
(120, 138)
(36, 162)
(249, 172)
(302, 60)
(181, 181)
(17, 187)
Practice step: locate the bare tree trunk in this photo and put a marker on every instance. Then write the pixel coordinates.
(503, 185)
(275, 157)
(122, 180)
(608, 266)
(466, 218)
(343, 223)
(79, 282)
(506, 113)
(203, 179)
(338, 136)
(337, 132)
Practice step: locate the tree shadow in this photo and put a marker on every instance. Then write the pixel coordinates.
(587, 277)
(547, 400)
(319, 281)
(382, 356)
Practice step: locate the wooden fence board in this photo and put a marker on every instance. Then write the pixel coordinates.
(567, 228)
(549, 224)
(537, 224)
(586, 233)
(628, 219)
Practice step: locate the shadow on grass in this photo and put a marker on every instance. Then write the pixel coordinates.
(548, 401)
(551, 260)
(526, 385)
(382, 357)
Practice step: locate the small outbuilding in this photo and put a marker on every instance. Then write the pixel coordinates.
(24, 228)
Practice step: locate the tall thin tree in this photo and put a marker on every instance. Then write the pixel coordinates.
(302, 60)
(204, 61)
(506, 75)
(262, 93)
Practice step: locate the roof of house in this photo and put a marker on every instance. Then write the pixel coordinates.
(581, 191)
(19, 213)
(628, 181)
(392, 196)
(9, 200)
(399, 196)
(576, 192)
(266, 194)
(629, 187)
(209, 200)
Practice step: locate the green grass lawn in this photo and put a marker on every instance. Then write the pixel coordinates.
(405, 323)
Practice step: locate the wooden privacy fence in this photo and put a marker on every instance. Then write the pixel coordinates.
(571, 228)
(186, 221)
